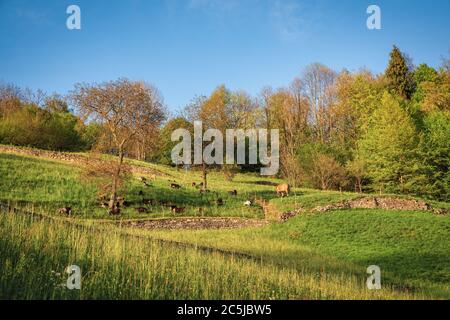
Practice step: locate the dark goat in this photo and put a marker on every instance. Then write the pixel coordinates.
(65, 210)
(174, 209)
(141, 210)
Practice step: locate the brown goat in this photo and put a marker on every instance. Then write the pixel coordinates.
(175, 209)
(142, 210)
(65, 210)
(114, 211)
(283, 189)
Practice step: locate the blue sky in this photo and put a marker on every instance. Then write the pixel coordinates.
(188, 47)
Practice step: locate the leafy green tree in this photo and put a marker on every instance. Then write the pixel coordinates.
(435, 148)
(389, 147)
(398, 74)
(357, 96)
(35, 127)
(165, 145)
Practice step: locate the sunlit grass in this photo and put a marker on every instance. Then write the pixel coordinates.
(312, 256)
(35, 254)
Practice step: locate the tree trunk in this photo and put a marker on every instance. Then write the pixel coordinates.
(204, 173)
(115, 181)
(360, 185)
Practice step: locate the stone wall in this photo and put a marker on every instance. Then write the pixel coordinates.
(74, 158)
(387, 203)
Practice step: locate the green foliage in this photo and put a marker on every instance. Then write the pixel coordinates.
(162, 153)
(90, 134)
(389, 148)
(398, 74)
(35, 127)
(424, 73)
(435, 148)
(433, 89)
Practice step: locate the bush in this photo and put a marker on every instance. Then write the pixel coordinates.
(34, 127)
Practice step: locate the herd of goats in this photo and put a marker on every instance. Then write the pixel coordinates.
(282, 190)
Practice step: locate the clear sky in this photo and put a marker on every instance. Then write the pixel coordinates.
(188, 47)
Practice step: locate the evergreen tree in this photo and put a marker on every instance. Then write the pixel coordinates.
(398, 74)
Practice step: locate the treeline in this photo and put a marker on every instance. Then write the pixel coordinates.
(37, 120)
(338, 130)
(355, 131)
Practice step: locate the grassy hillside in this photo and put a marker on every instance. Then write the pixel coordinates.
(411, 248)
(35, 255)
(51, 185)
(311, 256)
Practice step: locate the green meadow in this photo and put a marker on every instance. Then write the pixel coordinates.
(311, 256)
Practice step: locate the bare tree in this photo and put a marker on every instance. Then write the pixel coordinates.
(318, 83)
(124, 109)
(327, 173)
(11, 98)
(287, 110)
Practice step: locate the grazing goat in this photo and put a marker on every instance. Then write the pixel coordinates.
(142, 210)
(283, 189)
(65, 210)
(233, 192)
(175, 186)
(144, 181)
(247, 203)
(219, 202)
(175, 209)
(114, 211)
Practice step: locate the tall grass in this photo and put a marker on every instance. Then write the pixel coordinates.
(412, 248)
(34, 255)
